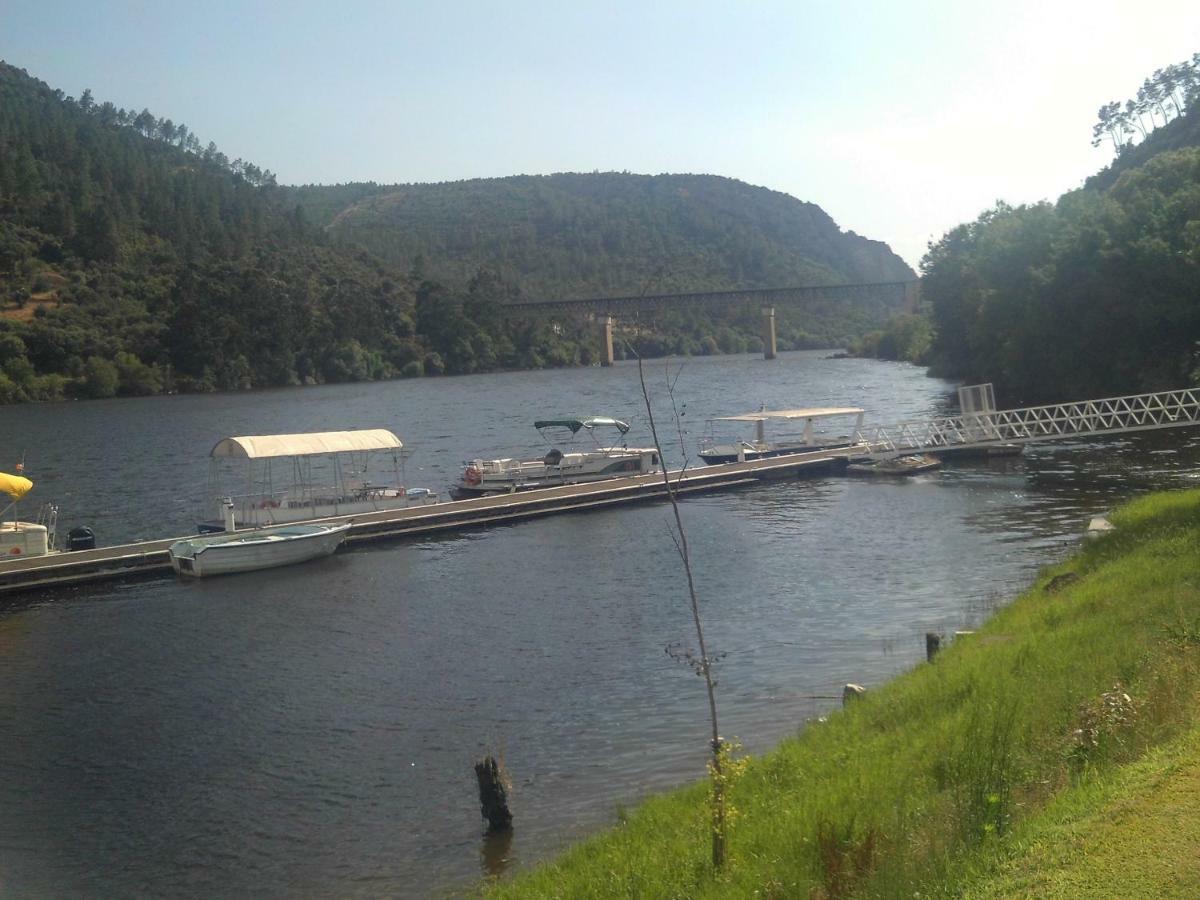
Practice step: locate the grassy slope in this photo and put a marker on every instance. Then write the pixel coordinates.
(967, 775)
(1136, 834)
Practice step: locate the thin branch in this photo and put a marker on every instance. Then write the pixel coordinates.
(718, 829)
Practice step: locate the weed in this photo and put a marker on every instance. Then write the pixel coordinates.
(845, 855)
(982, 770)
(1104, 725)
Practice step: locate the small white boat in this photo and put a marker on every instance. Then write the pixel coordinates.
(248, 551)
(500, 476)
(809, 439)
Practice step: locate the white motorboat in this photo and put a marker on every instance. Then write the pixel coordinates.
(19, 538)
(248, 551)
(285, 478)
(558, 466)
(809, 439)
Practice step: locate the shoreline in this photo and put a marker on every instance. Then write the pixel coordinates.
(933, 781)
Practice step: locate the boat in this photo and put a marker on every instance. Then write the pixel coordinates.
(19, 538)
(899, 466)
(261, 548)
(284, 478)
(557, 467)
(808, 440)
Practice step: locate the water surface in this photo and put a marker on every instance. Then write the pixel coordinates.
(313, 729)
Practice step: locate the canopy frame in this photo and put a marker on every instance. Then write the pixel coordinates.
(809, 414)
(575, 425)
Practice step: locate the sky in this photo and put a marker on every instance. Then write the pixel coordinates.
(900, 119)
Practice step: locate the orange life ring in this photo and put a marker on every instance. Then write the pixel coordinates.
(472, 475)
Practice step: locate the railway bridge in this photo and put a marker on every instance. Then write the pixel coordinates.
(901, 295)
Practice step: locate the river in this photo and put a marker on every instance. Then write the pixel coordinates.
(312, 730)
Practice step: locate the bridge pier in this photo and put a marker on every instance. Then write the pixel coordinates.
(606, 322)
(768, 332)
(912, 297)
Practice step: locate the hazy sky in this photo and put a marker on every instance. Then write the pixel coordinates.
(899, 119)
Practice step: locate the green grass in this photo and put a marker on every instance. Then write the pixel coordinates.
(960, 777)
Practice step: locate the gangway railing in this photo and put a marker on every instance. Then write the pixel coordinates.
(1112, 415)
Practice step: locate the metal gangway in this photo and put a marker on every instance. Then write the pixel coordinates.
(980, 425)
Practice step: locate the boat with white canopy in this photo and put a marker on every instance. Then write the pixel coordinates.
(558, 466)
(811, 437)
(19, 538)
(273, 479)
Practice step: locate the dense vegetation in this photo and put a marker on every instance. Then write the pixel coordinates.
(603, 234)
(618, 234)
(1093, 295)
(948, 776)
(136, 259)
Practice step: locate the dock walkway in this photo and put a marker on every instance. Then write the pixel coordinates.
(151, 557)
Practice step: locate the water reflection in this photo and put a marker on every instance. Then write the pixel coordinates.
(495, 852)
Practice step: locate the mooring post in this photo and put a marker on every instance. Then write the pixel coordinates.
(933, 643)
(607, 323)
(768, 332)
(493, 794)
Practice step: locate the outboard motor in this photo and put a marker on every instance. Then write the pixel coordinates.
(81, 538)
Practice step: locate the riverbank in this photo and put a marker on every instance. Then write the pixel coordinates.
(997, 769)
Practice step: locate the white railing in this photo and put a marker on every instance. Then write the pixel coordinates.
(1113, 415)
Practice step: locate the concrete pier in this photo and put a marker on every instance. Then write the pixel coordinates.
(606, 323)
(768, 333)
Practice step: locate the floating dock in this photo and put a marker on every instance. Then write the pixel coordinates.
(148, 558)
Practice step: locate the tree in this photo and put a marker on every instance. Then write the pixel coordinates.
(100, 378)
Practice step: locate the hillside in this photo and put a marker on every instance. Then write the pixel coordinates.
(571, 235)
(1092, 295)
(136, 260)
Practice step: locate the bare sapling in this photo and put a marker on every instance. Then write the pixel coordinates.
(718, 763)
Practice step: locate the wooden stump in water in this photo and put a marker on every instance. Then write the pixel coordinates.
(933, 643)
(493, 794)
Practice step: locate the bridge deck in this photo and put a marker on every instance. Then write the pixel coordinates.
(898, 292)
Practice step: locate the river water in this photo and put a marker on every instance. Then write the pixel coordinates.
(312, 730)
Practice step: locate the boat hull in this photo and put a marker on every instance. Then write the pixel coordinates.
(714, 456)
(506, 476)
(250, 551)
(265, 513)
(23, 539)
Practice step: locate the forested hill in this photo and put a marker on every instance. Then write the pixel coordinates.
(1097, 294)
(603, 233)
(1176, 134)
(137, 259)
